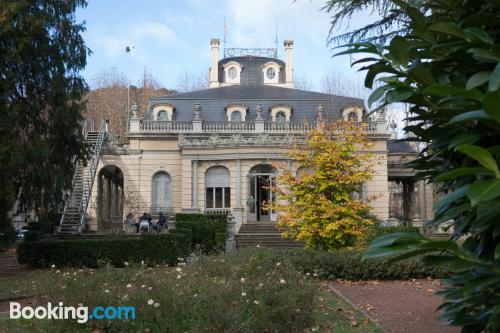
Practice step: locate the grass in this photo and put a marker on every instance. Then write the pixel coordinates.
(252, 291)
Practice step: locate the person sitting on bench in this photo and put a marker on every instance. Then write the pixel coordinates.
(162, 222)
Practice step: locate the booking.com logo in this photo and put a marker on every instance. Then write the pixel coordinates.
(80, 313)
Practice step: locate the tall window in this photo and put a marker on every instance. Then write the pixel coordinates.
(217, 190)
(161, 194)
(162, 115)
(280, 117)
(236, 116)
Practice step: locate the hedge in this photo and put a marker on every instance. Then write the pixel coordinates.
(208, 231)
(152, 249)
(349, 265)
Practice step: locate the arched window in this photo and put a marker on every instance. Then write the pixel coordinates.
(161, 192)
(280, 117)
(352, 116)
(217, 189)
(236, 116)
(162, 115)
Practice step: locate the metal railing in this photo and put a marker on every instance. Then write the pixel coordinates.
(218, 211)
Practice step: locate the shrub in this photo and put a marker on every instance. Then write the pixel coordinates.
(349, 265)
(7, 233)
(206, 231)
(153, 249)
(377, 231)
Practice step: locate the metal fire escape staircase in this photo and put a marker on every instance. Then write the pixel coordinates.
(73, 217)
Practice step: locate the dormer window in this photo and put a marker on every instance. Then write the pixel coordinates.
(280, 117)
(162, 115)
(236, 113)
(232, 72)
(271, 72)
(281, 113)
(352, 114)
(236, 116)
(163, 112)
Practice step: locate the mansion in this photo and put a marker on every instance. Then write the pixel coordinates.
(220, 150)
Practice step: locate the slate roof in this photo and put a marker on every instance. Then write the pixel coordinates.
(251, 72)
(214, 100)
(397, 146)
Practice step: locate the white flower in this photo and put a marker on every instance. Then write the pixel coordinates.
(178, 269)
(282, 281)
(53, 266)
(308, 273)
(179, 276)
(258, 245)
(242, 280)
(125, 297)
(143, 286)
(150, 302)
(58, 271)
(129, 285)
(243, 294)
(142, 262)
(106, 291)
(195, 295)
(256, 302)
(261, 285)
(150, 288)
(278, 264)
(125, 263)
(157, 305)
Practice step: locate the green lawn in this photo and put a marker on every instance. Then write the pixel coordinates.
(248, 292)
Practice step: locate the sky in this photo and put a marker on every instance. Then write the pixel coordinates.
(171, 37)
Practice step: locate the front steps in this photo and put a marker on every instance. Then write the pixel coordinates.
(263, 234)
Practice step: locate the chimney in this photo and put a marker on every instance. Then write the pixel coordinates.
(288, 63)
(214, 69)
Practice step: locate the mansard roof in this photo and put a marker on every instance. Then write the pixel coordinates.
(252, 69)
(214, 100)
(260, 92)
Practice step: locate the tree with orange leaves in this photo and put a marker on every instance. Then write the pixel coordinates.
(318, 205)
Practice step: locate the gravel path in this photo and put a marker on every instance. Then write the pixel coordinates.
(398, 306)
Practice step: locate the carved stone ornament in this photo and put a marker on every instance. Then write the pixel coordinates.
(235, 140)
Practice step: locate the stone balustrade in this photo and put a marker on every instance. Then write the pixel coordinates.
(198, 126)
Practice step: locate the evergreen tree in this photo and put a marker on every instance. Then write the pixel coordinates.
(41, 54)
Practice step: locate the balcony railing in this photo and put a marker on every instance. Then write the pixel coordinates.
(270, 127)
(148, 126)
(228, 126)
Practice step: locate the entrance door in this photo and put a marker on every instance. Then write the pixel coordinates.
(261, 197)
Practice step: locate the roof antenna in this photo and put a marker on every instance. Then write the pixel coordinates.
(225, 33)
(276, 40)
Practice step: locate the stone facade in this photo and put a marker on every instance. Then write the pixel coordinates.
(182, 137)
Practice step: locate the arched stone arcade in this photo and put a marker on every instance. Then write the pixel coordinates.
(110, 197)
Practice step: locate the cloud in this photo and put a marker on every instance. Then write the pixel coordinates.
(139, 35)
(252, 23)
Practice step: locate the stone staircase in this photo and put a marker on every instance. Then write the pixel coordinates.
(263, 234)
(73, 218)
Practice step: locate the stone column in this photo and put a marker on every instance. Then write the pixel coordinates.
(195, 185)
(107, 199)
(421, 194)
(238, 209)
